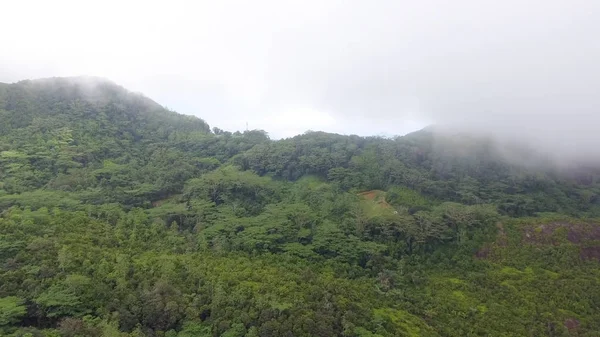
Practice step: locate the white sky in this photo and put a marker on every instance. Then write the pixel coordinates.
(364, 67)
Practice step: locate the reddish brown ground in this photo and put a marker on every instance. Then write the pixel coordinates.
(572, 324)
(373, 196)
(369, 195)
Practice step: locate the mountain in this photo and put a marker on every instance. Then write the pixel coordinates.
(122, 218)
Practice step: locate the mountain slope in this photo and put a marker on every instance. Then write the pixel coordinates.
(121, 218)
(90, 130)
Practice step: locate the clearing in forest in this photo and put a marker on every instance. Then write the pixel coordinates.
(376, 196)
(375, 203)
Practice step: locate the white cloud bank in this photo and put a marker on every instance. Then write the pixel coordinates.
(512, 68)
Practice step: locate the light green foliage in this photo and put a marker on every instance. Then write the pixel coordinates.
(11, 310)
(120, 218)
(407, 324)
(194, 330)
(58, 301)
(407, 198)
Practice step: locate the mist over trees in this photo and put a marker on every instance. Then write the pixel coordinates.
(122, 218)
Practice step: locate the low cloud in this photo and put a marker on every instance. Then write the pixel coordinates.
(514, 70)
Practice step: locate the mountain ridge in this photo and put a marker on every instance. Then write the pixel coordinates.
(121, 218)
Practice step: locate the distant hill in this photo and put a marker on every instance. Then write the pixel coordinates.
(59, 126)
(77, 102)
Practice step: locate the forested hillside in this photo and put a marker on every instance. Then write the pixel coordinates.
(121, 218)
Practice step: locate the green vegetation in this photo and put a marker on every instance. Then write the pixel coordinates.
(121, 218)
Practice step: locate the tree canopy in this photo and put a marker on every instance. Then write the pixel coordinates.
(121, 218)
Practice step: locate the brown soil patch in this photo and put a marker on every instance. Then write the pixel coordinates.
(375, 196)
(571, 324)
(369, 195)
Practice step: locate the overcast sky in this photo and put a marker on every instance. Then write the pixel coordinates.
(363, 67)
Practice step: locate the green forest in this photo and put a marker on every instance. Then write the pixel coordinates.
(121, 218)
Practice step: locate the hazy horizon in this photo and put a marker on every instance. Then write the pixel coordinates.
(511, 70)
(83, 78)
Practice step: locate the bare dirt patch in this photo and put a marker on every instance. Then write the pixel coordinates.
(375, 196)
(571, 324)
(369, 195)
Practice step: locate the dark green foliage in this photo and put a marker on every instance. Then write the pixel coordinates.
(121, 218)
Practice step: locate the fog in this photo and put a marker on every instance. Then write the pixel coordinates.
(519, 71)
